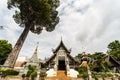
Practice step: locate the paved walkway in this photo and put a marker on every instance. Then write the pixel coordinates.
(60, 76)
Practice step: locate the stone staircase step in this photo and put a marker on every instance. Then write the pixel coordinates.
(60, 76)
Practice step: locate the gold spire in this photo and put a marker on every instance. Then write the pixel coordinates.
(36, 48)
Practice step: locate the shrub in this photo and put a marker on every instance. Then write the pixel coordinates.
(82, 72)
(10, 72)
(43, 74)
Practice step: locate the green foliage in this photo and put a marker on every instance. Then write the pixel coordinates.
(43, 65)
(79, 56)
(5, 49)
(32, 72)
(114, 46)
(10, 72)
(4, 74)
(98, 64)
(114, 49)
(43, 74)
(82, 72)
(97, 56)
(31, 68)
(106, 66)
(33, 75)
(28, 73)
(37, 13)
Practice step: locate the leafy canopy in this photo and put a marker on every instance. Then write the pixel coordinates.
(37, 13)
(114, 49)
(5, 49)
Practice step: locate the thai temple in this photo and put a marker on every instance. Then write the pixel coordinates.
(62, 60)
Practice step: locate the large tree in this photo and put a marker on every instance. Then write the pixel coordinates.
(114, 49)
(99, 58)
(33, 15)
(5, 49)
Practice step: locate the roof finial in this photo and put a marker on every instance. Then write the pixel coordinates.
(61, 38)
(36, 48)
(37, 43)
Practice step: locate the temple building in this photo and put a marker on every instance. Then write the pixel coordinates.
(61, 60)
(85, 60)
(33, 61)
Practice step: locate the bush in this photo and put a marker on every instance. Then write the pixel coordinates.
(82, 72)
(43, 74)
(34, 74)
(10, 72)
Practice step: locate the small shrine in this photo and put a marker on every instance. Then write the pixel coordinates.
(33, 61)
(85, 59)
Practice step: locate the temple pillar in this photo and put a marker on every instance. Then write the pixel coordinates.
(55, 67)
(67, 65)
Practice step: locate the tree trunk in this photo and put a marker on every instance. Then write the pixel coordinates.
(10, 61)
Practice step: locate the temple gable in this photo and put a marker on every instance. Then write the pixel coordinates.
(61, 59)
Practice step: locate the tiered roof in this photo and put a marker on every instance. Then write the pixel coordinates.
(61, 44)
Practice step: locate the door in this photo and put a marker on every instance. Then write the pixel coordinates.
(61, 65)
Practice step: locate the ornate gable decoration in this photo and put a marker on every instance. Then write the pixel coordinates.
(61, 50)
(61, 46)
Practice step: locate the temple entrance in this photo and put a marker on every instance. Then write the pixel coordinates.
(61, 65)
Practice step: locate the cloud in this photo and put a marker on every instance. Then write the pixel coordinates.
(97, 19)
(85, 25)
(89, 21)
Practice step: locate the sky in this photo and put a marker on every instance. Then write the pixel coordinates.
(85, 25)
